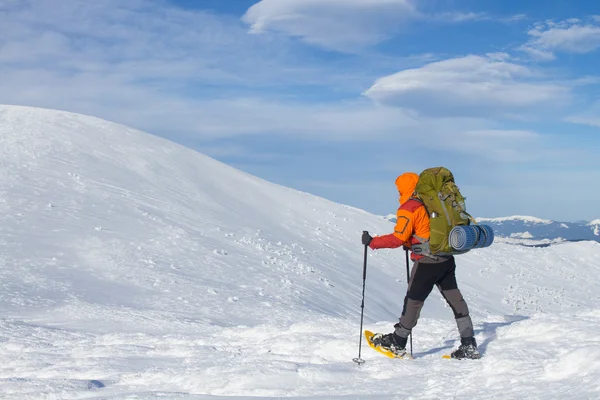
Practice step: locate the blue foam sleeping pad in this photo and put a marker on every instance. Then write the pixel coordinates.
(467, 237)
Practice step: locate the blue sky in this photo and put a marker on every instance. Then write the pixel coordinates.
(337, 97)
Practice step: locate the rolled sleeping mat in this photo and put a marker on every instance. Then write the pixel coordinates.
(467, 237)
(462, 238)
(486, 235)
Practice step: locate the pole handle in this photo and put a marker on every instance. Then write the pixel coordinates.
(365, 261)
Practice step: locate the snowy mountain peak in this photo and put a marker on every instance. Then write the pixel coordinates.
(538, 229)
(521, 218)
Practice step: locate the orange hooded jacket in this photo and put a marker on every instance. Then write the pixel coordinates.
(412, 221)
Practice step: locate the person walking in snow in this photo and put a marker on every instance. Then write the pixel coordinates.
(412, 232)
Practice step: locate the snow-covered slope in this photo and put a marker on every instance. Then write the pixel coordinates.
(131, 267)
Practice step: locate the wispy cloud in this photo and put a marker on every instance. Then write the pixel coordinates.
(505, 146)
(345, 25)
(187, 74)
(569, 36)
(341, 25)
(135, 41)
(589, 117)
(164, 69)
(514, 18)
(456, 16)
(473, 86)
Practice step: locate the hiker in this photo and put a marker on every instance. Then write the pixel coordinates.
(412, 232)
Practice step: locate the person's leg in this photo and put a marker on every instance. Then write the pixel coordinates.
(422, 280)
(448, 286)
(449, 289)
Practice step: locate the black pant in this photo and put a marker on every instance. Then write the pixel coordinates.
(424, 276)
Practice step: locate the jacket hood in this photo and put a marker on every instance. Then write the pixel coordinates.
(406, 184)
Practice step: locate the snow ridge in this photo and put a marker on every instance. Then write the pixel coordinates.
(527, 219)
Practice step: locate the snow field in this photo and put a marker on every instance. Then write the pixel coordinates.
(133, 268)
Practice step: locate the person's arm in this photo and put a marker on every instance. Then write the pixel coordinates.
(402, 233)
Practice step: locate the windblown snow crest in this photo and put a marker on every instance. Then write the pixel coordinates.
(132, 266)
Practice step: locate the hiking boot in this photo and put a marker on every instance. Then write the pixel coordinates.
(467, 349)
(392, 342)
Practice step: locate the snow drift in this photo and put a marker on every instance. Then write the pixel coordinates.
(133, 267)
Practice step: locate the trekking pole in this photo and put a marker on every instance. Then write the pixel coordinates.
(359, 360)
(408, 282)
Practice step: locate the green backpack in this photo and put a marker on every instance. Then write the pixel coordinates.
(445, 206)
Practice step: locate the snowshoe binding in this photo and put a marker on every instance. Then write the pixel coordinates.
(466, 350)
(390, 342)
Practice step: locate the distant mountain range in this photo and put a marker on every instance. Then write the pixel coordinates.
(535, 228)
(523, 227)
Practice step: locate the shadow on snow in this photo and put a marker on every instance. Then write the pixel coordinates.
(487, 329)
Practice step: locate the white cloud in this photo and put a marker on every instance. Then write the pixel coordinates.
(192, 76)
(338, 24)
(354, 120)
(570, 36)
(203, 120)
(153, 67)
(589, 117)
(592, 120)
(498, 56)
(538, 54)
(453, 16)
(141, 106)
(507, 146)
(344, 25)
(149, 41)
(514, 18)
(471, 85)
(174, 72)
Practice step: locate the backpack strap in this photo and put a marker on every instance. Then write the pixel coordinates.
(412, 204)
(419, 245)
(470, 217)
